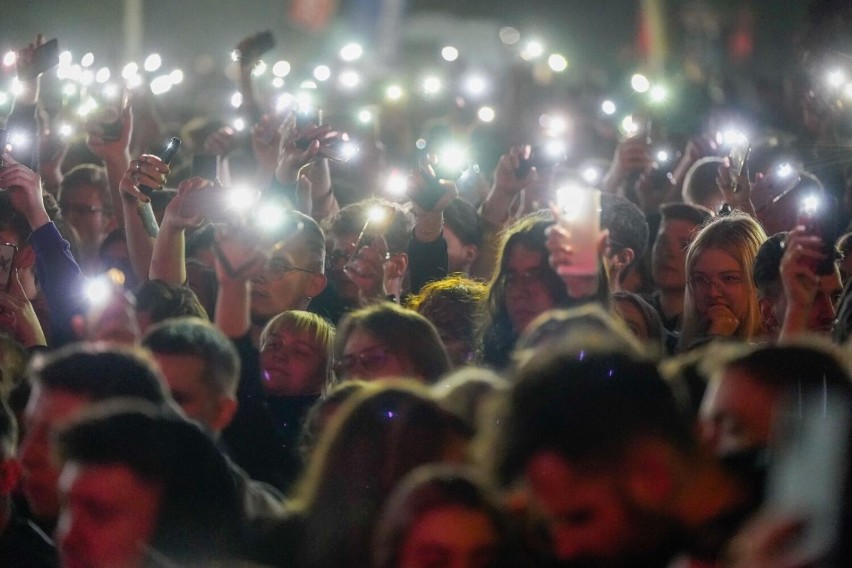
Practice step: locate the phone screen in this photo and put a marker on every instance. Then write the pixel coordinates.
(7, 261)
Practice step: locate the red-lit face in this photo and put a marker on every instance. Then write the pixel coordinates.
(527, 295)
(292, 364)
(450, 537)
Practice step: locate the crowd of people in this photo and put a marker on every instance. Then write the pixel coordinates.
(309, 373)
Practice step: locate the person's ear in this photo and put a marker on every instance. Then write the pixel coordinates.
(316, 284)
(470, 254)
(649, 471)
(768, 320)
(25, 257)
(10, 474)
(227, 409)
(622, 259)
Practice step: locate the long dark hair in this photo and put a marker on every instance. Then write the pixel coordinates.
(498, 335)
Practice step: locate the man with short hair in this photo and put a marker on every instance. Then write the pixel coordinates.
(699, 185)
(463, 232)
(612, 463)
(63, 384)
(628, 236)
(678, 224)
(86, 204)
(791, 296)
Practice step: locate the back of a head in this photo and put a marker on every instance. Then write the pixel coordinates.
(199, 508)
(396, 226)
(690, 212)
(311, 239)
(465, 391)
(405, 332)
(87, 175)
(588, 408)
(626, 224)
(199, 338)
(461, 217)
(452, 304)
(767, 266)
(699, 185)
(161, 301)
(99, 372)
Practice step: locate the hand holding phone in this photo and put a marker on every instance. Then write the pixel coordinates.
(578, 215)
(424, 188)
(167, 154)
(33, 63)
(817, 215)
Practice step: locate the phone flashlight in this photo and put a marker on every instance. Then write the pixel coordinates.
(580, 212)
(99, 289)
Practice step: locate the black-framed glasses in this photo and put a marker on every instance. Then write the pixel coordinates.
(371, 360)
(277, 270)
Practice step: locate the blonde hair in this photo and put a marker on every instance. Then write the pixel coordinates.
(740, 236)
(301, 322)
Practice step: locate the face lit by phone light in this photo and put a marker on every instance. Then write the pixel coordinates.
(111, 316)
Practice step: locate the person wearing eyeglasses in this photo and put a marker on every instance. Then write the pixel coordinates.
(85, 203)
(386, 341)
(721, 298)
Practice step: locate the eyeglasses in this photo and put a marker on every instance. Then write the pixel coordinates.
(371, 360)
(80, 209)
(533, 276)
(725, 282)
(277, 270)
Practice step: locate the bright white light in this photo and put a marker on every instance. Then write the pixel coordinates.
(533, 50)
(348, 150)
(110, 91)
(281, 68)
(731, 137)
(658, 94)
(161, 84)
(129, 71)
(608, 107)
(836, 78)
(308, 85)
(4, 98)
(555, 149)
(17, 87)
(322, 73)
(486, 114)
(134, 81)
(349, 79)
(784, 170)
(284, 102)
(87, 77)
(365, 116)
(98, 290)
(351, 52)
(475, 85)
(69, 90)
(450, 53)
(640, 83)
(87, 108)
(629, 126)
(810, 204)
(102, 76)
(239, 124)
(509, 35)
(259, 69)
(556, 125)
(305, 100)
(397, 184)
(376, 213)
(65, 58)
(87, 60)
(557, 62)
(74, 72)
(19, 140)
(848, 91)
(65, 130)
(420, 143)
(453, 156)
(591, 175)
(662, 156)
(176, 76)
(394, 93)
(431, 85)
(235, 55)
(240, 198)
(153, 62)
(237, 100)
(571, 201)
(278, 83)
(10, 58)
(270, 216)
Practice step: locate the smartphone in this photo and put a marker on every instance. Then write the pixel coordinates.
(45, 57)
(738, 157)
(7, 263)
(258, 45)
(580, 213)
(310, 116)
(207, 166)
(167, 154)
(4, 141)
(541, 158)
(808, 474)
(817, 215)
(428, 197)
(338, 149)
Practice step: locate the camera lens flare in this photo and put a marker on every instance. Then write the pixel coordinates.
(557, 62)
(9, 58)
(591, 175)
(322, 73)
(509, 35)
(449, 53)
(281, 68)
(153, 62)
(237, 100)
(365, 116)
(176, 76)
(534, 49)
(836, 77)
(351, 52)
(658, 94)
(432, 85)
(239, 124)
(103, 74)
(475, 85)
(349, 79)
(396, 184)
(486, 114)
(129, 70)
(608, 108)
(87, 60)
(161, 85)
(394, 93)
(640, 83)
(663, 156)
(270, 216)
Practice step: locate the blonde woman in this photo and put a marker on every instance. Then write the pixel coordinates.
(721, 298)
